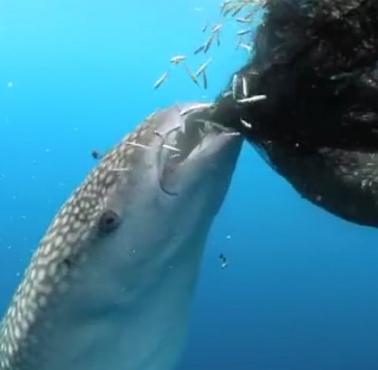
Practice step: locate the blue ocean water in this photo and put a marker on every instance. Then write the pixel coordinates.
(299, 291)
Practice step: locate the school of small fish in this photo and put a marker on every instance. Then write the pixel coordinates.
(240, 11)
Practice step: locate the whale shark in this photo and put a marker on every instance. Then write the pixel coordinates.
(110, 285)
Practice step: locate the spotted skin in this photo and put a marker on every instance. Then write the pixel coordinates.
(59, 317)
(60, 248)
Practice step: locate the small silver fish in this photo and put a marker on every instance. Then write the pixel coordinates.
(120, 169)
(208, 43)
(250, 14)
(160, 80)
(195, 107)
(217, 38)
(203, 67)
(171, 148)
(235, 81)
(246, 123)
(226, 94)
(204, 79)
(243, 32)
(238, 9)
(216, 125)
(252, 99)
(191, 75)
(245, 47)
(216, 28)
(234, 133)
(224, 6)
(137, 145)
(243, 20)
(245, 86)
(198, 50)
(177, 59)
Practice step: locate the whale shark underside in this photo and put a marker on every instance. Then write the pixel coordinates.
(110, 286)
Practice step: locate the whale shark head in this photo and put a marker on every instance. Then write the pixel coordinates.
(123, 252)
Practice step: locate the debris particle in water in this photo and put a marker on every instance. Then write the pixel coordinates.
(95, 154)
(223, 261)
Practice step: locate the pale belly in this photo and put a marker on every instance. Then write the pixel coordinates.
(147, 333)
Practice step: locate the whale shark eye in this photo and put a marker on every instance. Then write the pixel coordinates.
(108, 221)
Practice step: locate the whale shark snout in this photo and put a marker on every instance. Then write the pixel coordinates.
(111, 283)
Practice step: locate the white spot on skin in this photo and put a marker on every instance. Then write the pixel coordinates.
(109, 180)
(41, 275)
(71, 238)
(24, 325)
(47, 249)
(86, 205)
(10, 349)
(62, 214)
(65, 229)
(65, 220)
(76, 225)
(23, 303)
(12, 312)
(67, 250)
(17, 332)
(85, 236)
(52, 269)
(32, 294)
(30, 316)
(44, 288)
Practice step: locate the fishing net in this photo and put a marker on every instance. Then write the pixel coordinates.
(317, 63)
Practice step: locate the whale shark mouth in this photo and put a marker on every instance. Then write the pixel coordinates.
(180, 145)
